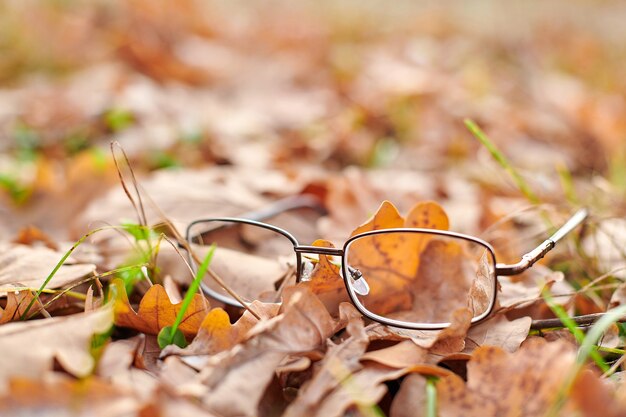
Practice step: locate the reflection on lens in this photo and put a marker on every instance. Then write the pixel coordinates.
(250, 259)
(416, 277)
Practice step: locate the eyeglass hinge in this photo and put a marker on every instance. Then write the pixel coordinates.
(527, 261)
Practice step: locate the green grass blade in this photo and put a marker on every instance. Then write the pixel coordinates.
(431, 397)
(502, 160)
(586, 350)
(573, 328)
(55, 270)
(567, 183)
(589, 345)
(193, 289)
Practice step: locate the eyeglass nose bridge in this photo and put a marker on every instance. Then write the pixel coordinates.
(355, 279)
(317, 250)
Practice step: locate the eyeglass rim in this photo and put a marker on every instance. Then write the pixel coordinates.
(418, 326)
(341, 252)
(224, 298)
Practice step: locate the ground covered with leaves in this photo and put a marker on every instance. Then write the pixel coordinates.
(121, 123)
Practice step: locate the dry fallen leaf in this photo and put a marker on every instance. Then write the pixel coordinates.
(237, 379)
(58, 395)
(400, 355)
(326, 282)
(29, 266)
(500, 332)
(410, 401)
(403, 270)
(156, 311)
(16, 305)
(349, 377)
(65, 339)
(339, 362)
(217, 334)
(538, 366)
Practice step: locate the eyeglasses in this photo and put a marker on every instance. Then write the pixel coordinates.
(403, 277)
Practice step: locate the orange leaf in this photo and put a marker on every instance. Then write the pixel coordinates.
(157, 311)
(427, 215)
(216, 334)
(391, 261)
(326, 281)
(16, 306)
(217, 329)
(386, 217)
(325, 277)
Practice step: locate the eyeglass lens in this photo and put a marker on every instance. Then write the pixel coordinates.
(420, 277)
(250, 259)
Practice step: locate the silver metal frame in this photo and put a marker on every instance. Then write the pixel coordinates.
(526, 261)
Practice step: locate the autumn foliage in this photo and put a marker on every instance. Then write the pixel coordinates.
(122, 123)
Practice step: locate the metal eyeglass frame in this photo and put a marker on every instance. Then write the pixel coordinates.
(253, 218)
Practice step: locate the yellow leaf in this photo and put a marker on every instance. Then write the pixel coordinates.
(326, 281)
(216, 327)
(391, 261)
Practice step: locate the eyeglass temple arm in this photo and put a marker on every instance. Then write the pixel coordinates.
(286, 204)
(540, 251)
(283, 205)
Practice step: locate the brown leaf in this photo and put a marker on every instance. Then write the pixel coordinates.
(217, 334)
(339, 362)
(326, 281)
(410, 401)
(62, 396)
(409, 273)
(500, 332)
(237, 379)
(118, 357)
(592, 396)
(441, 342)
(538, 366)
(17, 302)
(400, 355)
(363, 390)
(66, 339)
(156, 311)
(31, 234)
(28, 266)
(452, 339)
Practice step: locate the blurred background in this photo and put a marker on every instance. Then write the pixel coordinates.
(372, 92)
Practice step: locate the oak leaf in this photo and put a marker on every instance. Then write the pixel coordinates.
(66, 339)
(60, 395)
(157, 311)
(398, 254)
(16, 305)
(27, 266)
(499, 331)
(217, 334)
(326, 281)
(390, 262)
(350, 377)
(236, 379)
(534, 376)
